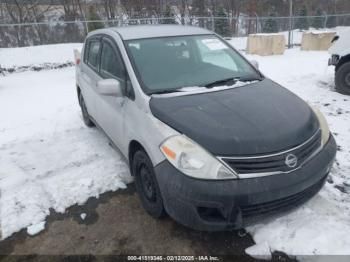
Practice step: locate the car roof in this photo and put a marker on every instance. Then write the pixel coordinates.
(152, 31)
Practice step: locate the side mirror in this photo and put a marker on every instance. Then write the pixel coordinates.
(255, 63)
(109, 87)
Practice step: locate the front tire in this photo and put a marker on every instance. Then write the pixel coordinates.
(342, 79)
(147, 185)
(84, 112)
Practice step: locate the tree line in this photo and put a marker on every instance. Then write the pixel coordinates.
(226, 17)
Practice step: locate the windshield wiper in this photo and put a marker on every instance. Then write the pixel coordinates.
(166, 91)
(227, 81)
(232, 80)
(250, 78)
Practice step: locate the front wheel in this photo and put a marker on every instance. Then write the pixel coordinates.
(85, 113)
(147, 185)
(342, 79)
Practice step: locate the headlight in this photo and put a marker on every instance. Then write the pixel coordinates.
(193, 160)
(323, 124)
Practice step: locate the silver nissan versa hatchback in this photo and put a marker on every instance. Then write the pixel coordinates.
(210, 140)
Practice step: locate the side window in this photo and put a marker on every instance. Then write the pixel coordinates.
(92, 53)
(111, 62)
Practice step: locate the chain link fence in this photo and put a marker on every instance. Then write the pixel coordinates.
(18, 35)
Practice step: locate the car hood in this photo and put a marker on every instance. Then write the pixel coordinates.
(257, 118)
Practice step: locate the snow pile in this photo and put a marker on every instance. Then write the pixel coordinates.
(261, 251)
(48, 158)
(34, 57)
(35, 229)
(40, 67)
(322, 225)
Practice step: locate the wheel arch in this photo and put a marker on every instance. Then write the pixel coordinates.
(134, 146)
(343, 60)
(78, 94)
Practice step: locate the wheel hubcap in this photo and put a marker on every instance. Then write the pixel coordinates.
(148, 186)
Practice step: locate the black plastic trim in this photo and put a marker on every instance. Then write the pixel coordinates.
(183, 195)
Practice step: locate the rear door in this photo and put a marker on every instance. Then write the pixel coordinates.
(90, 73)
(111, 109)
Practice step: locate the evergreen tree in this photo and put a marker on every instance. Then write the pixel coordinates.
(169, 17)
(93, 16)
(318, 22)
(270, 25)
(302, 22)
(222, 23)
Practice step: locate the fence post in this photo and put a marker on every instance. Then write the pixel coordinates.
(290, 24)
(257, 22)
(325, 21)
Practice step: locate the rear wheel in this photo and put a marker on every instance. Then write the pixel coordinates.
(85, 113)
(342, 79)
(147, 185)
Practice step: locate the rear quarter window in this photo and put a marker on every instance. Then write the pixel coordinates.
(92, 53)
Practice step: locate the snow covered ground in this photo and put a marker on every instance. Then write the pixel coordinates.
(49, 159)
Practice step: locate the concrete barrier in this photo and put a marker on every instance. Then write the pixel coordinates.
(266, 44)
(317, 40)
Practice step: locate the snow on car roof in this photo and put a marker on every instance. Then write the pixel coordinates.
(151, 31)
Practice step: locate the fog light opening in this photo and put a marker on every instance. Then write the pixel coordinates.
(211, 214)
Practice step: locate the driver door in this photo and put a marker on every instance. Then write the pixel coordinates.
(111, 109)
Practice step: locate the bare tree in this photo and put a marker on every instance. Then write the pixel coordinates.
(20, 13)
(73, 11)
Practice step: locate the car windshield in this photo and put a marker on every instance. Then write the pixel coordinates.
(170, 63)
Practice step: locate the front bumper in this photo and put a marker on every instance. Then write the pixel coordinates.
(232, 204)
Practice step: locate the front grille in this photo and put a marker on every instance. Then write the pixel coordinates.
(275, 162)
(282, 203)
